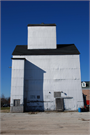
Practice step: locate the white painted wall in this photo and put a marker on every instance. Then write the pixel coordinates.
(44, 74)
(41, 37)
(17, 81)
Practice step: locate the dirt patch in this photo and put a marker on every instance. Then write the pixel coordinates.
(70, 111)
(84, 119)
(45, 124)
(33, 112)
(5, 110)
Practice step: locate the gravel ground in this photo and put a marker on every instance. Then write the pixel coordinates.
(45, 123)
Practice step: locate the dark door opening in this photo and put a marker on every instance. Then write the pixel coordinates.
(59, 104)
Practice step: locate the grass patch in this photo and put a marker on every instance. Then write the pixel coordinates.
(5, 109)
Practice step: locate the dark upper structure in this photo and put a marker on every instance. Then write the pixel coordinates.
(62, 49)
(42, 24)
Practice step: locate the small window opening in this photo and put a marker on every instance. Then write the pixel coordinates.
(32, 97)
(38, 97)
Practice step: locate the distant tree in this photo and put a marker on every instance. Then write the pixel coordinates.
(0, 102)
(8, 100)
(4, 100)
(3, 97)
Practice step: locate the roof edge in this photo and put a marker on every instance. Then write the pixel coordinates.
(41, 24)
(18, 58)
(24, 51)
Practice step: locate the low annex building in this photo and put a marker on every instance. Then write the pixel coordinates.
(45, 76)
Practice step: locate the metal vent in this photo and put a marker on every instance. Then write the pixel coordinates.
(57, 94)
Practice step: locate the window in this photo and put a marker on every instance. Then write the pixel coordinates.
(38, 97)
(17, 102)
(32, 97)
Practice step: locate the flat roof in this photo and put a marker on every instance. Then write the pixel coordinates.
(62, 49)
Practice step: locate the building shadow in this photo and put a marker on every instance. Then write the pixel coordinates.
(33, 87)
(84, 99)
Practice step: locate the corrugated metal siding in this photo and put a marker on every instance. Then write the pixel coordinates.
(45, 75)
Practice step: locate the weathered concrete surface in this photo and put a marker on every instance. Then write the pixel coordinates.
(47, 123)
(17, 109)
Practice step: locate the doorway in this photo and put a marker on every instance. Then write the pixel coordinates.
(59, 104)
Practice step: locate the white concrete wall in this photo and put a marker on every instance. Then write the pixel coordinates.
(42, 37)
(17, 81)
(44, 74)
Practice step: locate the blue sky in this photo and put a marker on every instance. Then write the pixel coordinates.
(71, 18)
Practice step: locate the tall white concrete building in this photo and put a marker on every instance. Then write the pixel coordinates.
(45, 76)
